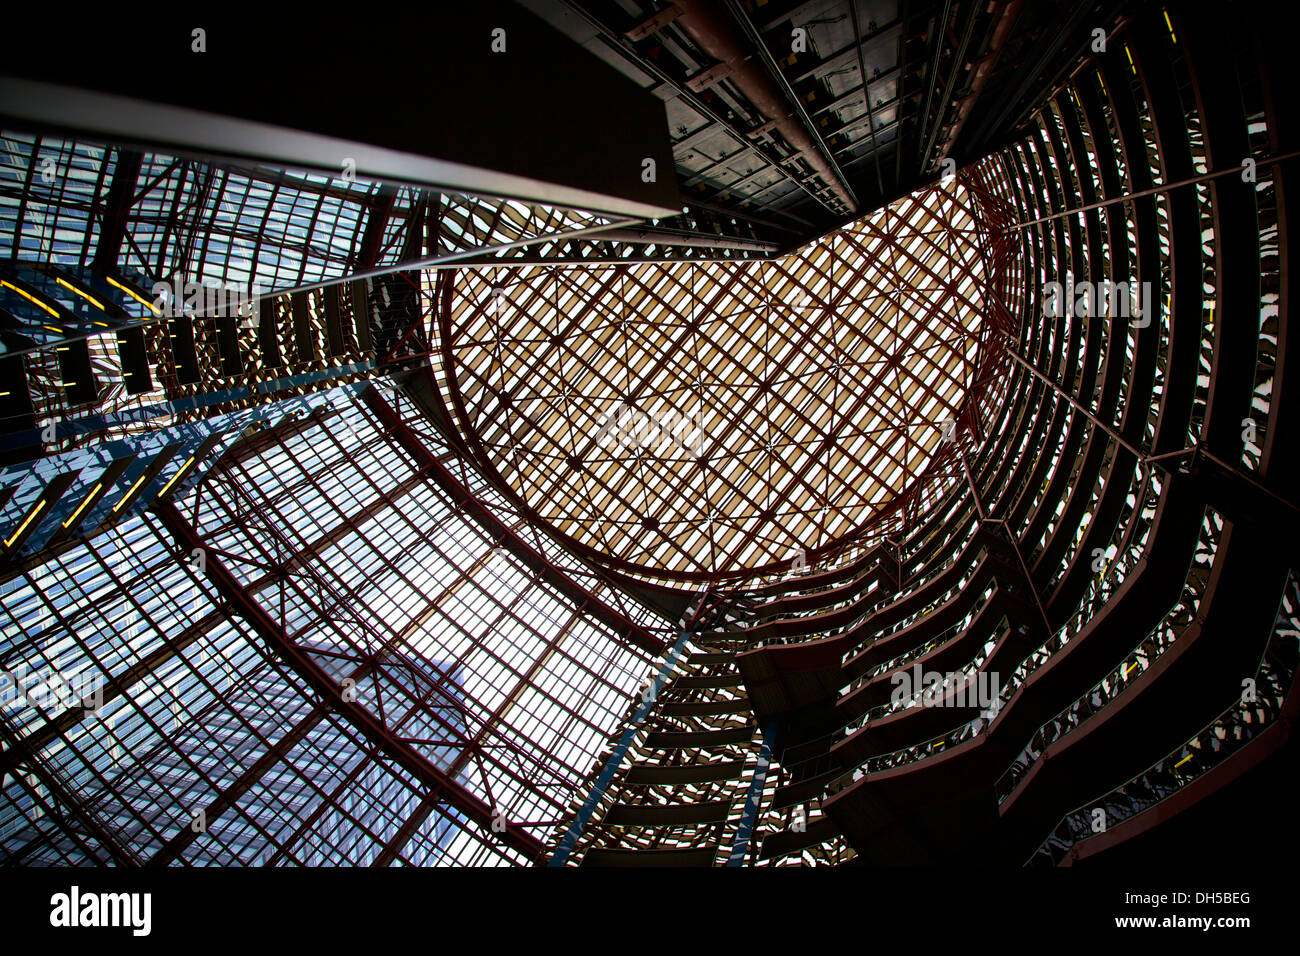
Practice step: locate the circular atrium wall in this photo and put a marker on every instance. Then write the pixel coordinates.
(711, 419)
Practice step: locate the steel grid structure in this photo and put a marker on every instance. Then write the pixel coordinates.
(1106, 561)
(75, 202)
(363, 637)
(327, 569)
(92, 228)
(702, 421)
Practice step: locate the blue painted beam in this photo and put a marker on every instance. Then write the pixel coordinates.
(567, 844)
(753, 798)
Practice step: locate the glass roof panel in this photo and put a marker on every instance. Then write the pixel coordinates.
(711, 417)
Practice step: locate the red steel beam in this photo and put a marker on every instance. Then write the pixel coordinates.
(188, 537)
(718, 34)
(501, 533)
(227, 798)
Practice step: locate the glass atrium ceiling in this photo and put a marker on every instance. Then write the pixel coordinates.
(713, 418)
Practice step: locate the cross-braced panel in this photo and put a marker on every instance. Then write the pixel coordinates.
(711, 418)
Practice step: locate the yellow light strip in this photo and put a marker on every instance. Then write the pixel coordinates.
(133, 294)
(89, 298)
(82, 507)
(1183, 761)
(127, 497)
(9, 541)
(1171, 27)
(30, 298)
(173, 478)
